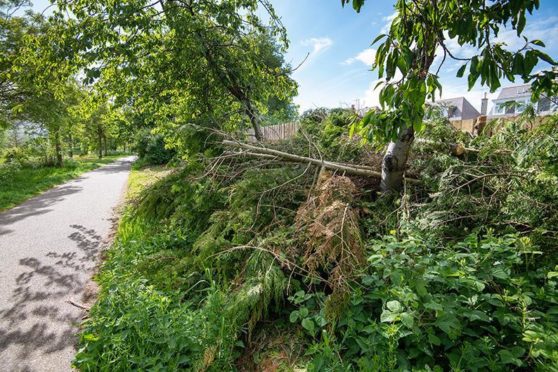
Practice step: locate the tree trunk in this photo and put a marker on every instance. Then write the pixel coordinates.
(267, 153)
(254, 120)
(100, 142)
(58, 148)
(105, 144)
(397, 153)
(395, 161)
(71, 152)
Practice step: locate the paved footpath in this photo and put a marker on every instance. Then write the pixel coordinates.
(49, 247)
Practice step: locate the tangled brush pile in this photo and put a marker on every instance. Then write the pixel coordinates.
(328, 225)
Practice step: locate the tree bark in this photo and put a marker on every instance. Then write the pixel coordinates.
(100, 142)
(71, 152)
(254, 120)
(258, 151)
(58, 148)
(105, 144)
(397, 153)
(395, 161)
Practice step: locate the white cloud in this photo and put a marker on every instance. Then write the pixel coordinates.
(319, 45)
(371, 97)
(388, 21)
(367, 56)
(545, 29)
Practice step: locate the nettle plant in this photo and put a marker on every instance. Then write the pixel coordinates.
(482, 303)
(406, 57)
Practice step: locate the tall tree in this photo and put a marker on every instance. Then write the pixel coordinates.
(188, 64)
(420, 31)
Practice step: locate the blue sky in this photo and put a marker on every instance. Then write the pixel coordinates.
(337, 71)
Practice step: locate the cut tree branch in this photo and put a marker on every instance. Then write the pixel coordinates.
(264, 152)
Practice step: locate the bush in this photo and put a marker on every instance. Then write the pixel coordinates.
(16, 155)
(151, 149)
(484, 303)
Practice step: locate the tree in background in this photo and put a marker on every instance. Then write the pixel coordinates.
(190, 68)
(419, 32)
(39, 86)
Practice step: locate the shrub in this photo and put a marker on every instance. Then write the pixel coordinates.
(16, 155)
(484, 303)
(151, 149)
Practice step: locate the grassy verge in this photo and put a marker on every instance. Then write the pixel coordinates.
(145, 312)
(19, 183)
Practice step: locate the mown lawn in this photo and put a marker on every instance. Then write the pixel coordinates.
(19, 183)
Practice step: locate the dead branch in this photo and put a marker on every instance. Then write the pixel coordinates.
(259, 151)
(456, 149)
(79, 306)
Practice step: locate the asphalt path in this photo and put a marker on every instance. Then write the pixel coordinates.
(49, 247)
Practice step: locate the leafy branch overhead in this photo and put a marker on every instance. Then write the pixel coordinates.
(420, 32)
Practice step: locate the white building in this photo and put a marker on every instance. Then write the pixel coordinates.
(521, 95)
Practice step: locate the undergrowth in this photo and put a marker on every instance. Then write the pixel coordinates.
(247, 264)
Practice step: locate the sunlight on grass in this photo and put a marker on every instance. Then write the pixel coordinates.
(142, 178)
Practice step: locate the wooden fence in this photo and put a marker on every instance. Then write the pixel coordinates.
(276, 132)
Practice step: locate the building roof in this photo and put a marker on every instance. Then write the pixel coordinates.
(464, 109)
(516, 91)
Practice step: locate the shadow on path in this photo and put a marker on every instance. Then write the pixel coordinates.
(36, 206)
(116, 167)
(37, 317)
(40, 204)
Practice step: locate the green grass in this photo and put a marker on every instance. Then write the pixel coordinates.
(141, 178)
(18, 184)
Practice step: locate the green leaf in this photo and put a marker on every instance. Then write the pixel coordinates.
(378, 38)
(529, 62)
(420, 286)
(545, 57)
(508, 358)
(388, 316)
(449, 324)
(433, 339)
(294, 316)
(433, 306)
(500, 273)
(461, 71)
(538, 42)
(521, 23)
(407, 319)
(308, 324)
(394, 306)
(518, 64)
(90, 337)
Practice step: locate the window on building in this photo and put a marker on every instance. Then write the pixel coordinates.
(452, 111)
(544, 104)
(498, 109)
(520, 106)
(510, 109)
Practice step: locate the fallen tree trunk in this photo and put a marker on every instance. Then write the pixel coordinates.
(264, 152)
